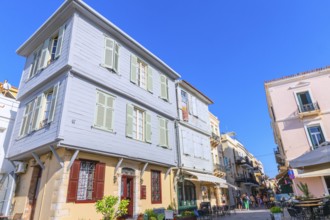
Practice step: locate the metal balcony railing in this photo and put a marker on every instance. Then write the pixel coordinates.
(308, 107)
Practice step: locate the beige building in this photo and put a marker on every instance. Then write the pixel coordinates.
(244, 171)
(299, 109)
(221, 192)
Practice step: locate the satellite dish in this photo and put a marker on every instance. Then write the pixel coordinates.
(6, 86)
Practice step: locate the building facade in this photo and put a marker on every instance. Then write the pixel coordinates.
(194, 178)
(96, 117)
(244, 171)
(300, 114)
(8, 109)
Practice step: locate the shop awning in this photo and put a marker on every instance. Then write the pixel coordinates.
(314, 157)
(323, 172)
(205, 177)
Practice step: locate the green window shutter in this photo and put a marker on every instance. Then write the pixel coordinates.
(133, 69)
(109, 113)
(162, 132)
(100, 109)
(25, 121)
(150, 83)
(37, 113)
(116, 58)
(53, 103)
(59, 41)
(108, 52)
(129, 120)
(163, 89)
(44, 57)
(29, 117)
(148, 127)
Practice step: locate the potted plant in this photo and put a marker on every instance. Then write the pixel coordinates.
(303, 187)
(111, 208)
(276, 213)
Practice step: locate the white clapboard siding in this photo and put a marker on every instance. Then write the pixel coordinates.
(87, 57)
(41, 136)
(38, 80)
(81, 110)
(196, 156)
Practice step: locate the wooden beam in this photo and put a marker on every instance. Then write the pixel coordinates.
(36, 157)
(118, 165)
(74, 156)
(143, 169)
(167, 172)
(56, 156)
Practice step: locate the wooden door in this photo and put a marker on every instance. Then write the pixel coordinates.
(127, 192)
(34, 189)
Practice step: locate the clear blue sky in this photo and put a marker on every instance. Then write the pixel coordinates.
(227, 49)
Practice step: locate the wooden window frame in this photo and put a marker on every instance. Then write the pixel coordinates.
(160, 187)
(94, 196)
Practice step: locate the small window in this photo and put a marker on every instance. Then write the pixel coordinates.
(53, 47)
(305, 102)
(316, 135)
(138, 124)
(141, 74)
(86, 180)
(156, 187)
(184, 105)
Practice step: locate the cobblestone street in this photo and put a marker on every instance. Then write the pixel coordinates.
(253, 214)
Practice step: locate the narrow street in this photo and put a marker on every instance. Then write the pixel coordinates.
(253, 214)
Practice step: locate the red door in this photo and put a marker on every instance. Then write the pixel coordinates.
(127, 192)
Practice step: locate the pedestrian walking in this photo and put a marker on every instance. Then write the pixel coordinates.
(247, 202)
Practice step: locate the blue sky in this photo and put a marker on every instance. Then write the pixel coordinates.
(227, 49)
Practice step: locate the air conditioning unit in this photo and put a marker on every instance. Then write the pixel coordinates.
(20, 167)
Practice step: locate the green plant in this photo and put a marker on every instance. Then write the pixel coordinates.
(150, 213)
(152, 218)
(111, 208)
(188, 213)
(160, 216)
(170, 207)
(275, 209)
(303, 187)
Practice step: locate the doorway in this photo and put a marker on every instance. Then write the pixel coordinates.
(127, 192)
(34, 189)
(327, 182)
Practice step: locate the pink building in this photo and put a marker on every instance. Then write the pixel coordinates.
(299, 108)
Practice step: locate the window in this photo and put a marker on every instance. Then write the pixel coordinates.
(156, 187)
(40, 111)
(141, 74)
(163, 87)
(48, 52)
(138, 124)
(184, 105)
(305, 102)
(86, 182)
(104, 111)
(163, 131)
(186, 193)
(111, 54)
(316, 135)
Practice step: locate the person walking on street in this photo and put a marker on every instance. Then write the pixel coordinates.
(247, 202)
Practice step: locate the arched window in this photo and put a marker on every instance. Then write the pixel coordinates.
(127, 171)
(186, 193)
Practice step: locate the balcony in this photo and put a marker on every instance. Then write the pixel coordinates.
(279, 157)
(246, 181)
(244, 162)
(309, 109)
(215, 140)
(219, 170)
(257, 170)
